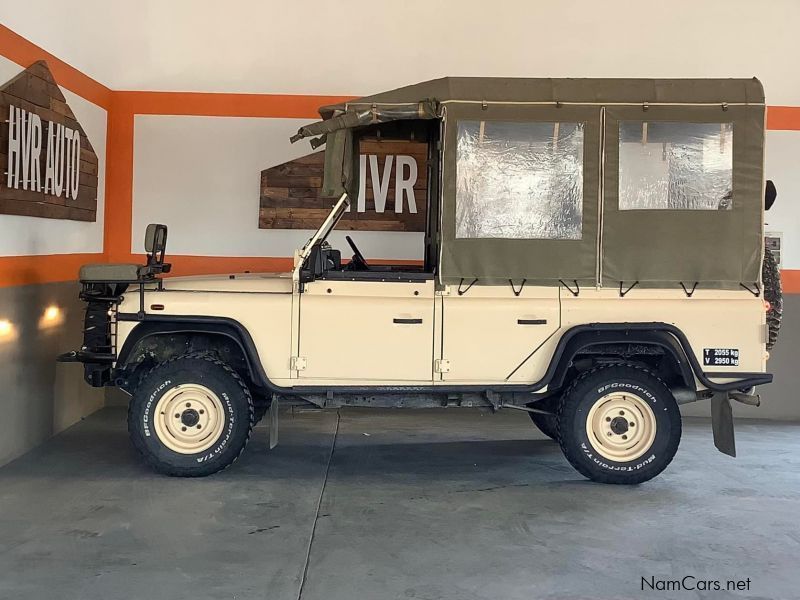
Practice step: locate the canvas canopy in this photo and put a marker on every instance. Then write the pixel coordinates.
(594, 181)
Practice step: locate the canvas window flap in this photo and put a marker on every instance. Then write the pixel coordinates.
(716, 248)
(495, 260)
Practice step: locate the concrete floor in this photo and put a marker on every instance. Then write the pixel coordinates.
(449, 504)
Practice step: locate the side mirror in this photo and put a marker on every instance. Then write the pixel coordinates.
(155, 244)
(155, 239)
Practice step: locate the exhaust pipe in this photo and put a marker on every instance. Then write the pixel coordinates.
(749, 399)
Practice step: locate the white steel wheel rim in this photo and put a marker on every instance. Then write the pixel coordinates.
(621, 426)
(189, 418)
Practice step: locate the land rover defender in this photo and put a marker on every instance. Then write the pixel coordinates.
(593, 256)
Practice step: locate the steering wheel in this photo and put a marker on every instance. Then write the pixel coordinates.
(358, 262)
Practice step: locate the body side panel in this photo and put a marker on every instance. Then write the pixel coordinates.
(266, 316)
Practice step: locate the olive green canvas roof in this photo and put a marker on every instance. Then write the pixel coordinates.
(720, 249)
(422, 100)
(516, 89)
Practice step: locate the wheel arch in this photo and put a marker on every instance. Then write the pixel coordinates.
(627, 342)
(224, 336)
(665, 335)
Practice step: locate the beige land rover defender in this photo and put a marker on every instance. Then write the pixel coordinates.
(593, 256)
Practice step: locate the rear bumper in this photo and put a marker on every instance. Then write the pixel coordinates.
(734, 381)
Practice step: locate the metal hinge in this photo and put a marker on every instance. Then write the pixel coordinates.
(297, 363)
(441, 365)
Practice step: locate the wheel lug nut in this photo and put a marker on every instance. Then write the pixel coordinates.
(183, 428)
(188, 404)
(608, 419)
(177, 416)
(202, 411)
(610, 434)
(199, 427)
(622, 412)
(632, 424)
(624, 437)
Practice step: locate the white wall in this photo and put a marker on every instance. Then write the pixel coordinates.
(352, 47)
(783, 167)
(34, 235)
(201, 177)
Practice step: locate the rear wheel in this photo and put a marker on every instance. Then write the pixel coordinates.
(619, 424)
(190, 416)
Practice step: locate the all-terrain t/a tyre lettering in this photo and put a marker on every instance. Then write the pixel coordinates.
(191, 416)
(619, 424)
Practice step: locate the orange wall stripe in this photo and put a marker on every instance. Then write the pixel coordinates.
(26, 270)
(783, 118)
(224, 105)
(119, 185)
(790, 279)
(16, 48)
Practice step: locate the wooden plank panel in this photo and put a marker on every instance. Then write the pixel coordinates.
(290, 193)
(35, 91)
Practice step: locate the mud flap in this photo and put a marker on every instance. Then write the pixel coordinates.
(722, 424)
(273, 422)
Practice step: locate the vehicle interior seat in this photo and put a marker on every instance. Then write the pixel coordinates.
(155, 242)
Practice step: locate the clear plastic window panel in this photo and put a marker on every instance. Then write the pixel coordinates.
(519, 180)
(675, 166)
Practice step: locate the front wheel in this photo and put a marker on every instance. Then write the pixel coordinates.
(190, 416)
(619, 424)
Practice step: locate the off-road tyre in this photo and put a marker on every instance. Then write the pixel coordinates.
(547, 424)
(631, 384)
(228, 437)
(773, 293)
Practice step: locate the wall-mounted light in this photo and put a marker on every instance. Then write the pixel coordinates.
(7, 330)
(52, 317)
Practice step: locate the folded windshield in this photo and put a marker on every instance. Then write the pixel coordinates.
(327, 226)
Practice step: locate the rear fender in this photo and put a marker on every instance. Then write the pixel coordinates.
(592, 342)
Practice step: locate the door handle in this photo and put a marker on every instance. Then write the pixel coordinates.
(407, 321)
(531, 321)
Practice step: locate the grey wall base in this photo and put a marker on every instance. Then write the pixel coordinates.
(39, 396)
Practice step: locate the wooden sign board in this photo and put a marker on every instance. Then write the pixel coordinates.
(48, 167)
(393, 192)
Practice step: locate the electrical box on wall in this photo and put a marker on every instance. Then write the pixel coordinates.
(773, 240)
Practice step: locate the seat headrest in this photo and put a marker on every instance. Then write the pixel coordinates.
(155, 238)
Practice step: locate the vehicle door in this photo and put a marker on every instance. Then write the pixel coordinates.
(367, 331)
(492, 333)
